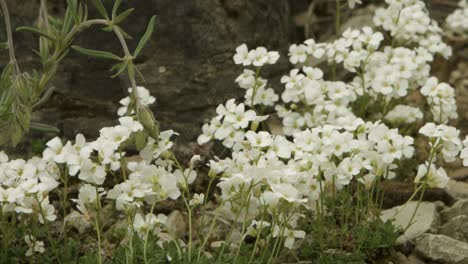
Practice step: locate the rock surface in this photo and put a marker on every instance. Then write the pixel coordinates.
(457, 189)
(459, 208)
(187, 64)
(442, 248)
(457, 228)
(426, 219)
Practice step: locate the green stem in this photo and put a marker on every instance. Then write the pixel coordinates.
(189, 210)
(338, 17)
(259, 232)
(202, 247)
(49, 235)
(244, 223)
(145, 247)
(424, 185)
(11, 46)
(97, 225)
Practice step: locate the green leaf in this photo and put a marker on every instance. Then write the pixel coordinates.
(43, 49)
(97, 53)
(5, 79)
(44, 128)
(145, 37)
(131, 71)
(124, 34)
(35, 31)
(115, 8)
(67, 20)
(100, 8)
(123, 15)
(118, 68)
(140, 140)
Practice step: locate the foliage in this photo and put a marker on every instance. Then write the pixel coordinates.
(318, 183)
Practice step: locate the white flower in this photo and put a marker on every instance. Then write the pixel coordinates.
(260, 139)
(255, 227)
(33, 245)
(143, 95)
(88, 194)
(92, 172)
(259, 56)
(116, 135)
(246, 80)
(130, 123)
(297, 53)
(290, 235)
(3, 157)
(242, 55)
(464, 152)
(197, 199)
(436, 178)
(273, 57)
(55, 151)
(404, 114)
(185, 178)
(149, 224)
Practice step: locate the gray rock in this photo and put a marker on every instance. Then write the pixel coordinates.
(413, 259)
(442, 249)
(187, 64)
(459, 208)
(456, 228)
(426, 219)
(457, 189)
(400, 258)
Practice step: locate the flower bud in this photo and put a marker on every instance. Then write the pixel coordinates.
(254, 125)
(146, 118)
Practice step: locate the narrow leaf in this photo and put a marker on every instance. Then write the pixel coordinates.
(97, 53)
(100, 8)
(115, 8)
(35, 31)
(124, 34)
(123, 15)
(145, 37)
(118, 68)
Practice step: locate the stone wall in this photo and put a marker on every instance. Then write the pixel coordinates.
(187, 65)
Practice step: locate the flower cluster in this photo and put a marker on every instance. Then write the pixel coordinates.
(153, 178)
(257, 57)
(443, 138)
(409, 23)
(457, 22)
(25, 186)
(404, 114)
(441, 99)
(77, 156)
(144, 98)
(352, 49)
(256, 92)
(325, 102)
(229, 124)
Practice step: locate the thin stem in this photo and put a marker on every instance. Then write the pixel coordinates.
(11, 47)
(145, 247)
(259, 232)
(209, 231)
(49, 236)
(338, 17)
(123, 43)
(244, 223)
(97, 226)
(424, 185)
(189, 210)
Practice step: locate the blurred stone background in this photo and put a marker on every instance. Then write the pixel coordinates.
(187, 64)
